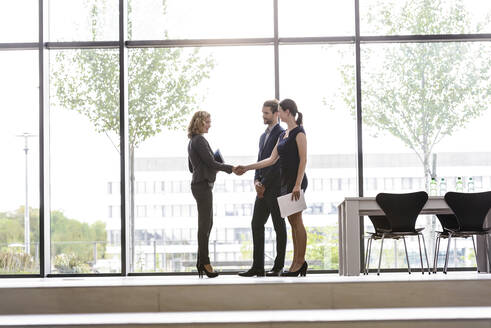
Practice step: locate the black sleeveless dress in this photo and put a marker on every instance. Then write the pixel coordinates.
(290, 160)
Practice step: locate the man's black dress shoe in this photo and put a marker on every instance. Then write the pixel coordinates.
(274, 272)
(252, 272)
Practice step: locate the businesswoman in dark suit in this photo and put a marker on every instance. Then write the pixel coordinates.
(291, 151)
(204, 168)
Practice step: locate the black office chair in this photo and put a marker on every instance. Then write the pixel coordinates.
(448, 222)
(471, 210)
(382, 227)
(401, 212)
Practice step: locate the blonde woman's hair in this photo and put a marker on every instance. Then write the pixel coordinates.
(197, 123)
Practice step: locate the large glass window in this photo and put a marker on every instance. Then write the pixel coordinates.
(19, 168)
(426, 112)
(82, 20)
(19, 21)
(395, 17)
(315, 18)
(331, 137)
(425, 109)
(196, 19)
(231, 83)
(84, 158)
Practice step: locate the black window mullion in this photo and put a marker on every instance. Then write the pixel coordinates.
(276, 52)
(359, 123)
(124, 137)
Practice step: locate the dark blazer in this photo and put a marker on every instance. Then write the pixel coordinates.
(202, 162)
(269, 176)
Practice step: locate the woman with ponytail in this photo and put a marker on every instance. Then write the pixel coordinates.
(291, 150)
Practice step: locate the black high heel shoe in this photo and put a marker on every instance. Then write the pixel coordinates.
(302, 271)
(201, 269)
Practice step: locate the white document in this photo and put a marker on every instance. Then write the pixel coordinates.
(289, 206)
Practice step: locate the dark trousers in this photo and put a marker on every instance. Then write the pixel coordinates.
(203, 194)
(263, 207)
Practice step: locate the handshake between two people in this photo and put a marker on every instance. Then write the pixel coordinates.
(239, 169)
(260, 188)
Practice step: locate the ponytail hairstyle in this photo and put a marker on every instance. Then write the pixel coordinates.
(291, 106)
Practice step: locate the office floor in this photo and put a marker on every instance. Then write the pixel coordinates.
(232, 280)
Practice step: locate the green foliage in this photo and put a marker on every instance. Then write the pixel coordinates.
(68, 236)
(162, 85)
(12, 228)
(421, 92)
(16, 261)
(322, 247)
(420, 17)
(70, 264)
(246, 249)
(71, 236)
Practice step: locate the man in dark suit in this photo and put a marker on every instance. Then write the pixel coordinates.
(267, 184)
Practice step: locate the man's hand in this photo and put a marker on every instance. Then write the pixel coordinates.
(239, 170)
(260, 189)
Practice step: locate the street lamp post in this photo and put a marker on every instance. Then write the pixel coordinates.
(27, 241)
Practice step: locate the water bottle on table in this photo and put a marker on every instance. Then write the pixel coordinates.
(443, 186)
(433, 187)
(459, 185)
(470, 185)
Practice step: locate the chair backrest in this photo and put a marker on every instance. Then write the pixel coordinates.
(448, 221)
(402, 210)
(380, 222)
(469, 208)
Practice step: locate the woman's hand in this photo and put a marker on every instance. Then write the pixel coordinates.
(239, 170)
(296, 193)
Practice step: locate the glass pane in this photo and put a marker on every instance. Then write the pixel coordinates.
(82, 20)
(196, 19)
(330, 127)
(19, 169)
(316, 18)
(85, 165)
(426, 114)
(395, 17)
(19, 21)
(229, 82)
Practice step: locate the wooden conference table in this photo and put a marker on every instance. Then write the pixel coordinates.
(349, 212)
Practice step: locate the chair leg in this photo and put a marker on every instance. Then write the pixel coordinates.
(407, 256)
(380, 256)
(367, 256)
(435, 258)
(475, 252)
(487, 251)
(426, 254)
(448, 251)
(421, 256)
